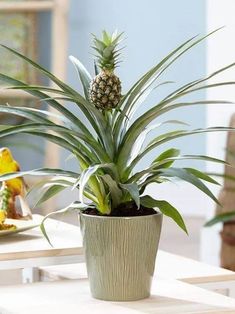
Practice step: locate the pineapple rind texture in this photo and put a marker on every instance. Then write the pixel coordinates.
(105, 90)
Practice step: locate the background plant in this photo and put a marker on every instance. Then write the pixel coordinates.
(111, 143)
(229, 214)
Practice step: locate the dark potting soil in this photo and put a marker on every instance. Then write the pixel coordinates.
(123, 210)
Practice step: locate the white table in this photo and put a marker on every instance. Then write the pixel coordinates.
(73, 296)
(30, 249)
(196, 273)
(169, 266)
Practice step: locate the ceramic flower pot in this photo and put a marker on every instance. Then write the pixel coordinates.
(120, 255)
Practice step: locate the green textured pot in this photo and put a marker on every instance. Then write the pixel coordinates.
(120, 255)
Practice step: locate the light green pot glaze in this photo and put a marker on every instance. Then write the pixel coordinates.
(120, 255)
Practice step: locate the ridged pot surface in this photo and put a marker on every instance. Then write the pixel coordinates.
(120, 255)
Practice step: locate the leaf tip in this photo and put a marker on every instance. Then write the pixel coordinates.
(42, 227)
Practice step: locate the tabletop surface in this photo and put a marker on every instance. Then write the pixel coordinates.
(189, 270)
(73, 296)
(66, 240)
(169, 266)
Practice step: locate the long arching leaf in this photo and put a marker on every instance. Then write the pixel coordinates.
(224, 217)
(31, 129)
(166, 208)
(191, 84)
(139, 125)
(84, 75)
(158, 67)
(164, 138)
(136, 148)
(127, 100)
(93, 115)
(69, 139)
(49, 193)
(167, 162)
(190, 178)
(26, 113)
(51, 102)
(39, 172)
(75, 206)
(202, 175)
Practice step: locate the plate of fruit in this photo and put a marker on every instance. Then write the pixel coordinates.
(13, 219)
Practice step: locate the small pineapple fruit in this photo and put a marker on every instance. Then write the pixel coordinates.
(105, 88)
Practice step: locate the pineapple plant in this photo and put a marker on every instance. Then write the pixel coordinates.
(111, 143)
(108, 146)
(105, 88)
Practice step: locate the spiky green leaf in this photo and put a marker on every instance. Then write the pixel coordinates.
(190, 178)
(133, 190)
(49, 193)
(75, 206)
(39, 172)
(228, 216)
(83, 74)
(166, 208)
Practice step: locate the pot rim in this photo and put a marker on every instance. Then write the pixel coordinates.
(121, 217)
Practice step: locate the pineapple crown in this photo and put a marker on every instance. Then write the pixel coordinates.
(106, 49)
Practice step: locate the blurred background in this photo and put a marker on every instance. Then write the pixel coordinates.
(51, 31)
